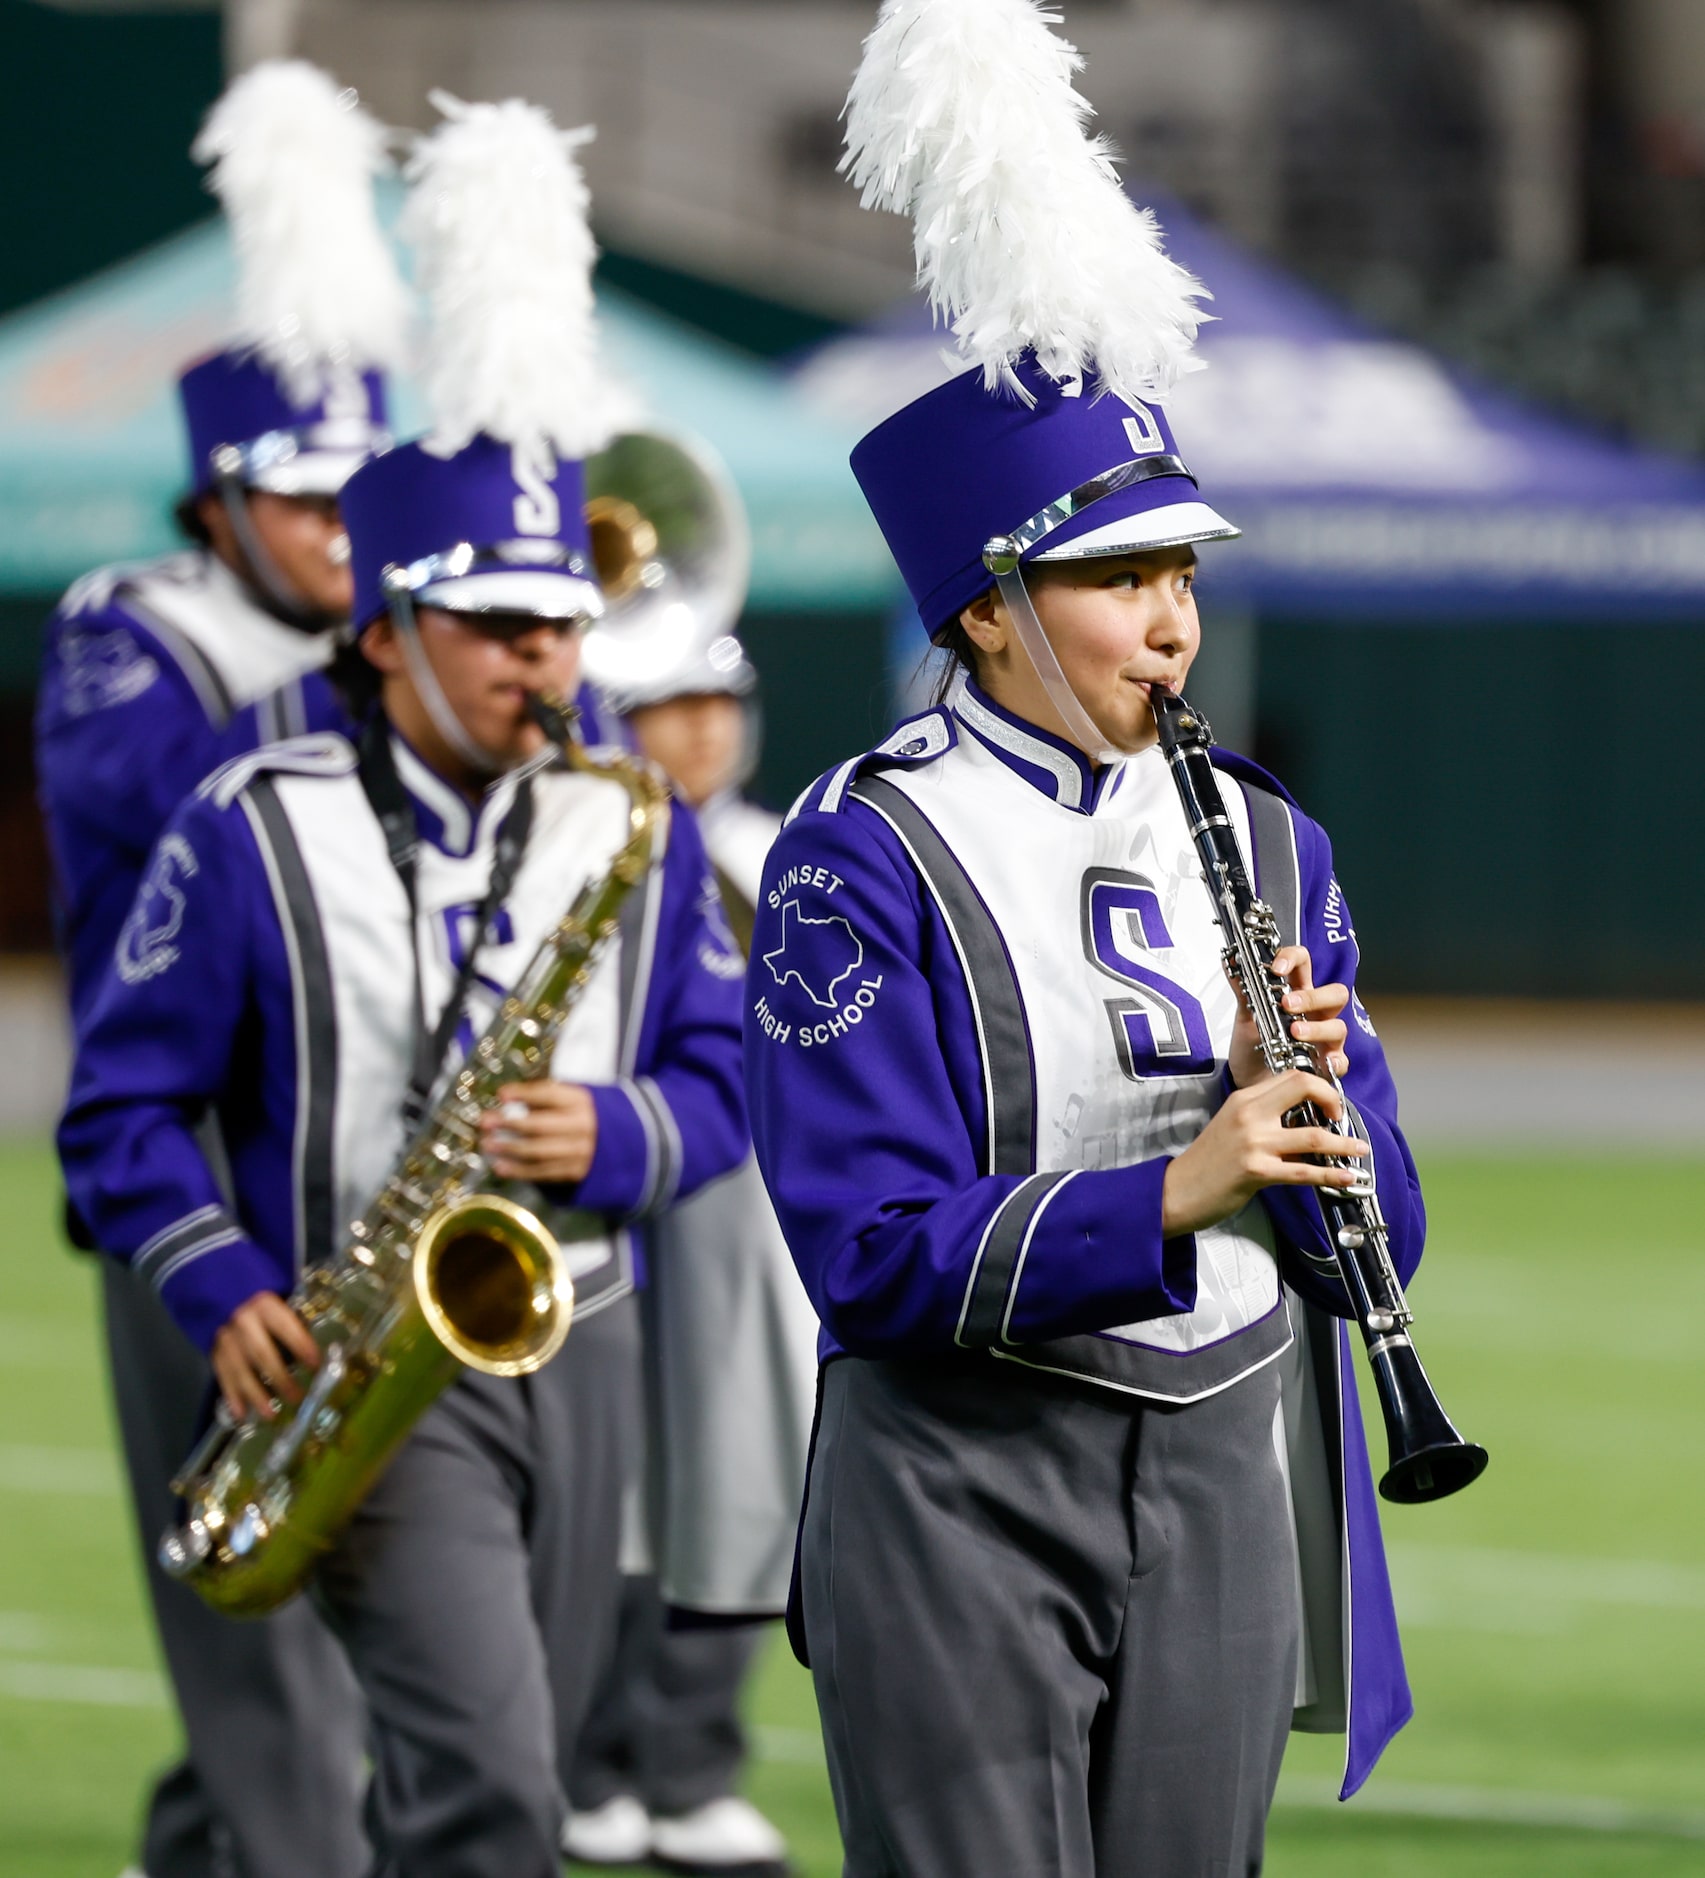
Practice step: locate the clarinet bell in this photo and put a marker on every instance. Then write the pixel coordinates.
(1429, 1459)
(1432, 1473)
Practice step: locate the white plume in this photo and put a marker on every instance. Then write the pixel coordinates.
(293, 163)
(498, 218)
(964, 116)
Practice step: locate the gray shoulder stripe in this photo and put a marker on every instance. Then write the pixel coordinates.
(983, 1322)
(1273, 836)
(204, 679)
(317, 1225)
(1009, 1076)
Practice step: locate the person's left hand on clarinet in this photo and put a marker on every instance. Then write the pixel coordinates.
(1314, 1013)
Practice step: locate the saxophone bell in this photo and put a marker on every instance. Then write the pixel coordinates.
(493, 1285)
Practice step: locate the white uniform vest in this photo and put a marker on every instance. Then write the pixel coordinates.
(1103, 936)
(345, 917)
(231, 650)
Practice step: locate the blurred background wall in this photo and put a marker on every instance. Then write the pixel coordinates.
(1516, 185)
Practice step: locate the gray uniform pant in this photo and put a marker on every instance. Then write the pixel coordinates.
(1053, 1629)
(476, 1592)
(665, 1724)
(270, 1785)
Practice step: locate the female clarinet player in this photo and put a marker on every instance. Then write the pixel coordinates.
(1090, 1524)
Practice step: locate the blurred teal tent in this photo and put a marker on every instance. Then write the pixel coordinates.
(91, 454)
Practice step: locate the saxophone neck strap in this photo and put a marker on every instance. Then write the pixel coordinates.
(394, 810)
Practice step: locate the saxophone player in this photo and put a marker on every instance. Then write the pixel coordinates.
(1089, 1525)
(153, 674)
(323, 927)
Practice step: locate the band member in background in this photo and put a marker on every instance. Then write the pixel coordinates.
(1089, 1525)
(731, 1336)
(150, 676)
(284, 959)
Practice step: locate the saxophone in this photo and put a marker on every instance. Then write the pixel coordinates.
(437, 1275)
(1428, 1458)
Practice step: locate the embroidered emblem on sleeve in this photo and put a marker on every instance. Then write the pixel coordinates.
(824, 958)
(817, 954)
(145, 946)
(101, 669)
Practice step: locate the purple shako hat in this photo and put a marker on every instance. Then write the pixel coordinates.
(244, 426)
(480, 531)
(965, 483)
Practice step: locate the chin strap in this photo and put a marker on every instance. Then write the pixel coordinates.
(1080, 726)
(438, 707)
(262, 570)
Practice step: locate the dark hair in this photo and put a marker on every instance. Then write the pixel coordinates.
(186, 512)
(355, 679)
(957, 652)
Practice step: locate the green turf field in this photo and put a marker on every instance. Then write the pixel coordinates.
(1555, 1614)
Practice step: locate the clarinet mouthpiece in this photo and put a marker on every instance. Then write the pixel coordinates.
(1180, 725)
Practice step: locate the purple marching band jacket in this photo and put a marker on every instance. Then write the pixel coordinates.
(947, 1187)
(155, 672)
(154, 676)
(265, 972)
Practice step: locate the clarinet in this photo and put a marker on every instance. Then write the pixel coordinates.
(1429, 1459)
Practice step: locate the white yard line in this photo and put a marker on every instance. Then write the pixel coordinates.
(27, 1469)
(1569, 1812)
(82, 1683)
(1509, 1593)
(1654, 1584)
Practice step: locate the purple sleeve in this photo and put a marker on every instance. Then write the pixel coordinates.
(1330, 936)
(865, 1091)
(680, 1119)
(121, 738)
(156, 1052)
(122, 735)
